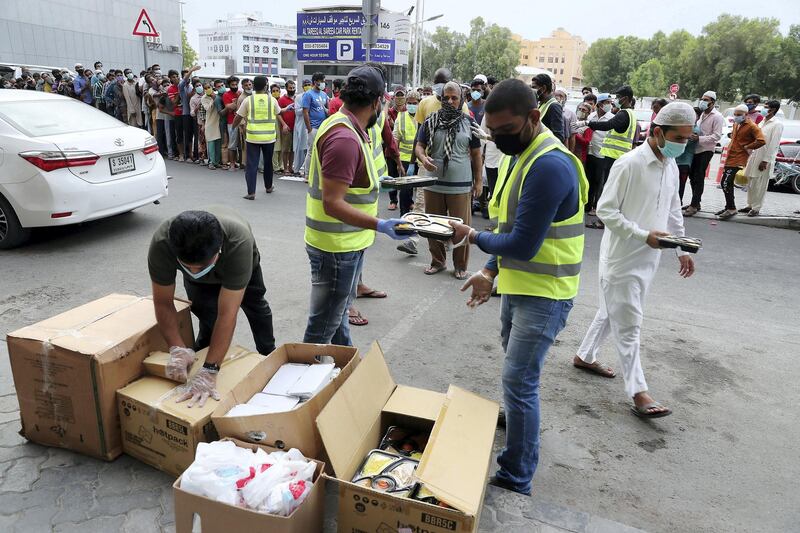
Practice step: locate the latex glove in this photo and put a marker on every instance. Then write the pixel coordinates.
(481, 284)
(180, 359)
(412, 170)
(387, 228)
(199, 388)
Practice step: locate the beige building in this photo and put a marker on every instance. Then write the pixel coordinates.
(561, 53)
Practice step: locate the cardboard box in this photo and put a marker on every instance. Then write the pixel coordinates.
(155, 364)
(291, 429)
(164, 434)
(454, 465)
(68, 368)
(218, 517)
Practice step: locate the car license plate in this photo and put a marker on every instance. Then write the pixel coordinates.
(121, 163)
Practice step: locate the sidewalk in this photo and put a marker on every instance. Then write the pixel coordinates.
(778, 210)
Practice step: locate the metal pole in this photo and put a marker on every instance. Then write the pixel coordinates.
(144, 50)
(414, 76)
(419, 48)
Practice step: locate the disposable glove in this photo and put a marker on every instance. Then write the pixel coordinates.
(387, 227)
(180, 359)
(199, 388)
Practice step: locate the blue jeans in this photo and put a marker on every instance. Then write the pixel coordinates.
(334, 281)
(529, 326)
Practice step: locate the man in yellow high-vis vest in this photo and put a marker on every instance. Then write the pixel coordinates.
(342, 206)
(263, 116)
(537, 249)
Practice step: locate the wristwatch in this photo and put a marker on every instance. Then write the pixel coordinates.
(211, 367)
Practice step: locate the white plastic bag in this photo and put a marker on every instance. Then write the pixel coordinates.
(287, 496)
(217, 468)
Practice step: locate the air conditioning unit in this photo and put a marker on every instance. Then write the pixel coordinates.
(174, 49)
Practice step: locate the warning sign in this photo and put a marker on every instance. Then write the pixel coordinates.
(144, 26)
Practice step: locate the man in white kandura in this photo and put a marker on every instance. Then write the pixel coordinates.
(639, 201)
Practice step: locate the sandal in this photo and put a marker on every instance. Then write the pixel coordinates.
(596, 368)
(356, 319)
(461, 275)
(596, 225)
(392, 206)
(212, 167)
(249, 197)
(372, 293)
(431, 270)
(644, 411)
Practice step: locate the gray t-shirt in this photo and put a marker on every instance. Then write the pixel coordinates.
(457, 179)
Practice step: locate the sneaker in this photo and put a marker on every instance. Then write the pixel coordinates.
(726, 214)
(752, 213)
(408, 246)
(690, 211)
(745, 209)
(718, 213)
(503, 484)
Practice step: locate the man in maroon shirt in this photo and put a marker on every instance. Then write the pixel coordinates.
(335, 103)
(340, 152)
(286, 103)
(229, 100)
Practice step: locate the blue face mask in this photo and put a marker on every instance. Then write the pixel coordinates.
(750, 107)
(412, 108)
(671, 149)
(198, 275)
(738, 119)
(476, 95)
(765, 111)
(703, 105)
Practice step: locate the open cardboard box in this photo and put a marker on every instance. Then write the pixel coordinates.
(156, 363)
(454, 465)
(218, 517)
(290, 429)
(67, 370)
(164, 434)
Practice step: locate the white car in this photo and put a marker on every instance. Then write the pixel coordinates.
(64, 162)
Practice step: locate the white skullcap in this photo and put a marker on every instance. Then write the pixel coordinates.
(711, 94)
(741, 107)
(676, 114)
(481, 77)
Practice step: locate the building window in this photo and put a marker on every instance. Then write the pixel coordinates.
(563, 59)
(541, 59)
(562, 71)
(549, 59)
(523, 57)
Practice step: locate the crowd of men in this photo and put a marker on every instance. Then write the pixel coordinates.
(549, 171)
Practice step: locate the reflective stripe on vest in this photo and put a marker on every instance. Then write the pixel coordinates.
(323, 231)
(544, 107)
(555, 270)
(376, 139)
(408, 131)
(261, 119)
(616, 144)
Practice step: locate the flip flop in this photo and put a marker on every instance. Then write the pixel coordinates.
(596, 225)
(372, 293)
(357, 319)
(431, 270)
(461, 275)
(599, 369)
(642, 412)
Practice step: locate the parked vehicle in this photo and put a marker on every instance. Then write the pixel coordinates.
(64, 162)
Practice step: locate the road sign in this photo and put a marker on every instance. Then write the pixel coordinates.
(144, 26)
(674, 88)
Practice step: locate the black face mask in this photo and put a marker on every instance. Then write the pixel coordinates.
(512, 143)
(290, 93)
(374, 119)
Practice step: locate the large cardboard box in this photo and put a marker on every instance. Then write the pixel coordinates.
(292, 429)
(68, 368)
(164, 434)
(218, 517)
(454, 465)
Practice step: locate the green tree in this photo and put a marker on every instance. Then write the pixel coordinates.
(601, 64)
(189, 55)
(649, 79)
(439, 49)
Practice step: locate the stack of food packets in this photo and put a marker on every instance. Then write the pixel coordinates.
(275, 483)
(291, 385)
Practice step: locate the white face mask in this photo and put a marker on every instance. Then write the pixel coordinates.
(606, 108)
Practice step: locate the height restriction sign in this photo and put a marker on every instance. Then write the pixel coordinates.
(144, 26)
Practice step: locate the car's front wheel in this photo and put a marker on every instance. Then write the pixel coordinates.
(11, 231)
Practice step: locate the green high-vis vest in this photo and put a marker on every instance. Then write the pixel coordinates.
(262, 122)
(615, 144)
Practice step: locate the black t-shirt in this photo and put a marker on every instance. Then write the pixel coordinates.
(234, 266)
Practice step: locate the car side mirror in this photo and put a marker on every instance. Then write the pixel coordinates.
(797, 141)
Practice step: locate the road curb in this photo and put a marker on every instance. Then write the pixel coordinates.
(792, 223)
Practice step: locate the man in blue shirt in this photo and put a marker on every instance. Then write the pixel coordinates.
(533, 313)
(185, 121)
(315, 110)
(83, 87)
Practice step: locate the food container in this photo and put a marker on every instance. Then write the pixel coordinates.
(432, 226)
(408, 182)
(687, 244)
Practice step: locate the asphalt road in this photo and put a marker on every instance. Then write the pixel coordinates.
(716, 349)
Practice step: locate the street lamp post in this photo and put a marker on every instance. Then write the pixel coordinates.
(418, 32)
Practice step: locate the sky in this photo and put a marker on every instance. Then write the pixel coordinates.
(535, 20)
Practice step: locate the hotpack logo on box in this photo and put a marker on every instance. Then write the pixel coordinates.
(345, 50)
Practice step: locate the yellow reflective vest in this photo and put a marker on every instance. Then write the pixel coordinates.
(376, 139)
(408, 132)
(615, 144)
(554, 272)
(262, 121)
(323, 231)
